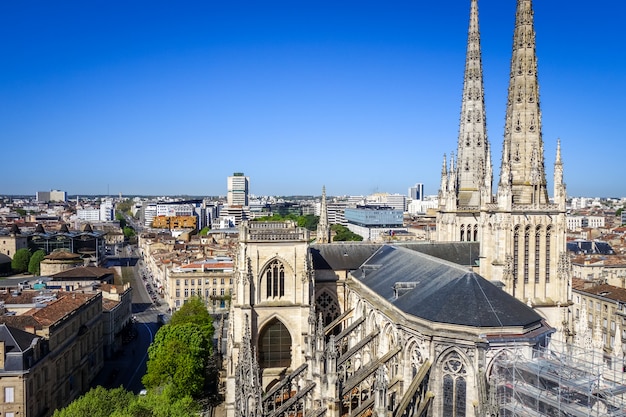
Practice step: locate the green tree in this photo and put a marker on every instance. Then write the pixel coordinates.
(97, 402)
(20, 260)
(128, 232)
(178, 357)
(204, 231)
(343, 234)
(34, 265)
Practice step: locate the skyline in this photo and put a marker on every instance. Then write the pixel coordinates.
(295, 97)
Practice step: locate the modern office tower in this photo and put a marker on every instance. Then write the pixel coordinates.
(416, 192)
(238, 188)
(51, 196)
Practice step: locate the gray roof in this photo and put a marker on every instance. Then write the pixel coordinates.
(349, 256)
(441, 291)
(341, 256)
(15, 339)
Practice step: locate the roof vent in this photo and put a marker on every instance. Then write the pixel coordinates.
(401, 288)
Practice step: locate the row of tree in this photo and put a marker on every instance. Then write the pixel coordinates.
(25, 261)
(181, 373)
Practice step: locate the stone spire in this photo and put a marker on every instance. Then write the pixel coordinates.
(473, 155)
(523, 144)
(560, 195)
(323, 228)
(248, 384)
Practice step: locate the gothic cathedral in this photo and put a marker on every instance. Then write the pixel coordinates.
(521, 232)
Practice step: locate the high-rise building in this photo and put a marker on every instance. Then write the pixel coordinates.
(51, 196)
(238, 188)
(416, 192)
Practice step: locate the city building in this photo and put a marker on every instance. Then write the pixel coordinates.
(416, 192)
(37, 380)
(51, 196)
(211, 279)
(238, 188)
(374, 222)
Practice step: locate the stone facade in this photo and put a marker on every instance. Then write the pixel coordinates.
(522, 234)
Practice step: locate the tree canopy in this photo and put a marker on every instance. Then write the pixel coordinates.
(343, 234)
(20, 260)
(34, 265)
(117, 402)
(178, 357)
(308, 221)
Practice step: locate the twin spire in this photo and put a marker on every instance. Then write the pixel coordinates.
(522, 173)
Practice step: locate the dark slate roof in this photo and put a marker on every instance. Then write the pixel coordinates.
(341, 256)
(441, 291)
(4, 259)
(349, 256)
(39, 229)
(462, 253)
(15, 230)
(64, 229)
(15, 339)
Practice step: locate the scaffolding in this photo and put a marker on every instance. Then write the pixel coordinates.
(561, 380)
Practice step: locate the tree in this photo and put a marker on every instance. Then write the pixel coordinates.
(128, 232)
(117, 402)
(204, 231)
(20, 260)
(343, 234)
(97, 402)
(178, 358)
(34, 265)
(179, 355)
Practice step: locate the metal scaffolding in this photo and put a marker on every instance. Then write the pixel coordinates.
(560, 381)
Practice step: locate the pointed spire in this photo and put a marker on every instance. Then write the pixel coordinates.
(443, 187)
(560, 194)
(248, 401)
(323, 228)
(523, 143)
(473, 157)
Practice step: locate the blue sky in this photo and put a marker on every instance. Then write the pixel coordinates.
(162, 97)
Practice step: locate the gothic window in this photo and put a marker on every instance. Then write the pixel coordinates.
(462, 233)
(454, 386)
(275, 280)
(329, 308)
(526, 254)
(515, 254)
(548, 244)
(537, 254)
(475, 233)
(275, 345)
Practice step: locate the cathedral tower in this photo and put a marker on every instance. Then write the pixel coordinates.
(524, 234)
(467, 184)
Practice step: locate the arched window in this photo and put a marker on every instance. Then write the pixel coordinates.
(462, 233)
(548, 245)
(538, 234)
(475, 233)
(515, 256)
(454, 389)
(526, 253)
(275, 346)
(275, 280)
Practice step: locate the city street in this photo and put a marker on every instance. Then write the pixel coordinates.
(128, 366)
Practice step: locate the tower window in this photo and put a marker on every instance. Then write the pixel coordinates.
(275, 346)
(275, 280)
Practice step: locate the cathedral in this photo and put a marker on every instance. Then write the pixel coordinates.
(411, 329)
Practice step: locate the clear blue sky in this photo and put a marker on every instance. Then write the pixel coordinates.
(163, 97)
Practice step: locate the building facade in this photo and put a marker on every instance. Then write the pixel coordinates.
(238, 188)
(522, 233)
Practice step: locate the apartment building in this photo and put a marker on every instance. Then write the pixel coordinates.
(211, 279)
(50, 350)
